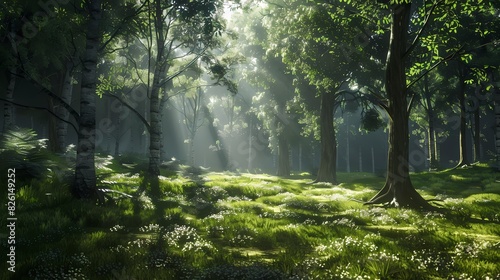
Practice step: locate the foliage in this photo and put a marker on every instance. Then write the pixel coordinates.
(262, 227)
(20, 149)
(371, 120)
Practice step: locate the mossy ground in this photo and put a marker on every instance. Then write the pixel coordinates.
(258, 226)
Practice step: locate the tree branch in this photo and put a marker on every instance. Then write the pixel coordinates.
(449, 57)
(169, 78)
(419, 34)
(40, 108)
(45, 90)
(117, 30)
(144, 121)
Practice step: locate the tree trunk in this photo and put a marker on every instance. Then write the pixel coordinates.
(348, 148)
(164, 99)
(191, 149)
(477, 128)
(250, 155)
(463, 160)
(155, 136)
(300, 157)
(283, 156)
(154, 107)
(66, 95)
(360, 160)
(373, 161)
(398, 190)
(118, 136)
(8, 113)
(327, 171)
(221, 151)
(433, 162)
(477, 136)
(496, 98)
(85, 178)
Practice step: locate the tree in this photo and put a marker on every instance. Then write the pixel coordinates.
(8, 115)
(327, 49)
(429, 115)
(268, 74)
(192, 110)
(174, 36)
(85, 178)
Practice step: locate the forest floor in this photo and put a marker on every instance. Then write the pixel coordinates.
(210, 225)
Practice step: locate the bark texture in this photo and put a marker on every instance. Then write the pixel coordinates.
(85, 177)
(281, 123)
(155, 102)
(496, 98)
(477, 127)
(8, 113)
(433, 158)
(283, 156)
(327, 167)
(463, 160)
(221, 152)
(66, 95)
(398, 190)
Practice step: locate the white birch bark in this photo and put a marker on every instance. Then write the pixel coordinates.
(85, 177)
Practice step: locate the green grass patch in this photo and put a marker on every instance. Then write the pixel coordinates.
(257, 226)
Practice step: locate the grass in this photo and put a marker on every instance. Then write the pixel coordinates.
(258, 226)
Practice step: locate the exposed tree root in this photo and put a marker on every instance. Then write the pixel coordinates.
(333, 182)
(402, 196)
(462, 164)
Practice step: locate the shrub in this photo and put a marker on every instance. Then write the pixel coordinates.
(20, 149)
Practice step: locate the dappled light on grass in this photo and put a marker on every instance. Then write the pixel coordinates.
(255, 226)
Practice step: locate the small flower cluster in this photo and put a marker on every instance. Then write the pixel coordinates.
(57, 266)
(426, 260)
(241, 240)
(117, 228)
(341, 222)
(187, 239)
(468, 250)
(349, 244)
(151, 228)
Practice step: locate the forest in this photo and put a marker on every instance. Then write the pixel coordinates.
(250, 139)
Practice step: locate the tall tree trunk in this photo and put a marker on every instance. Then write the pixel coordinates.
(496, 98)
(154, 107)
(155, 136)
(477, 136)
(118, 136)
(85, 178)
(8, 113)
(283, 156)
(373, 161)
(433, 162)
(66, 95)
(360, 160)
(463, 160)
(348, 148)
(327, 171)
(250, 143)
(398, 190)
(191, 149)
(164, 99)
(300, 156)
(221, 151)
(477, 127)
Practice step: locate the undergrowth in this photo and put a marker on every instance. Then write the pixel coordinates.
(257, 226)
